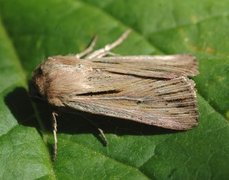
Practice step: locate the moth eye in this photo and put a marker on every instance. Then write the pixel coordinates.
(33, 90)
(39, 71)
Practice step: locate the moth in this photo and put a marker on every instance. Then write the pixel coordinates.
(153, 90)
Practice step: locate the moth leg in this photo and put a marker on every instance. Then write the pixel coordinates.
(54, 121)
(106, 50)
(88, 50)
(101, 133)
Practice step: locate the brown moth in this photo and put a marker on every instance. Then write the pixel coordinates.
(153, 90)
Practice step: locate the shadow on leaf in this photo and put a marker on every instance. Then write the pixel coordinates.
(80, 122)
(75, 122)
(20, 106)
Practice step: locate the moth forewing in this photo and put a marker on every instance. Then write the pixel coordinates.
(166, 103)
(153, 90)
(170, 66)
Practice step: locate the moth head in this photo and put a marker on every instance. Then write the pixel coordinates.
(37, 84)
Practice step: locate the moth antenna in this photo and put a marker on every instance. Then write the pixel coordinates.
(89, 49)
(104, 51)
(113, 54)
(54, 115)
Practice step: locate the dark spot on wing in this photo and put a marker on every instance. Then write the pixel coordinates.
(99, 93)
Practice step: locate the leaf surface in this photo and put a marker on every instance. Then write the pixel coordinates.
(30, 31)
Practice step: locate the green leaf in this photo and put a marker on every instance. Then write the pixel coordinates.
(23, 154)
(30, 31)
